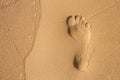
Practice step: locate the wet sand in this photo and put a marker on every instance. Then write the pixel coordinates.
(103, 48)
(53, 50)
(18, 26)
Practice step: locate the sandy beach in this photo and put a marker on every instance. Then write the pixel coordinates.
(35, 44)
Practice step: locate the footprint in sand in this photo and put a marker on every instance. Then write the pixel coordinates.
(79, 30)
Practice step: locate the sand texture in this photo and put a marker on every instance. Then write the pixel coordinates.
(35, 43)
(18, 25)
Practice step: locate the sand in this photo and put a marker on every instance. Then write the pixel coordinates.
(51, 56)
(18, 25)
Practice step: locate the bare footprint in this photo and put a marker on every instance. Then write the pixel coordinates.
(78, 29)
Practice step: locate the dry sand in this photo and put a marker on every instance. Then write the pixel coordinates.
(53, 51)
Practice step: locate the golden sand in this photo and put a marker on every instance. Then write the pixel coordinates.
(52, 55)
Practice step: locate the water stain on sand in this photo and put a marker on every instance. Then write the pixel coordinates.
(19, 22)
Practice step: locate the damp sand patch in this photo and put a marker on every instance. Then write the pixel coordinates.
(18, 28)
